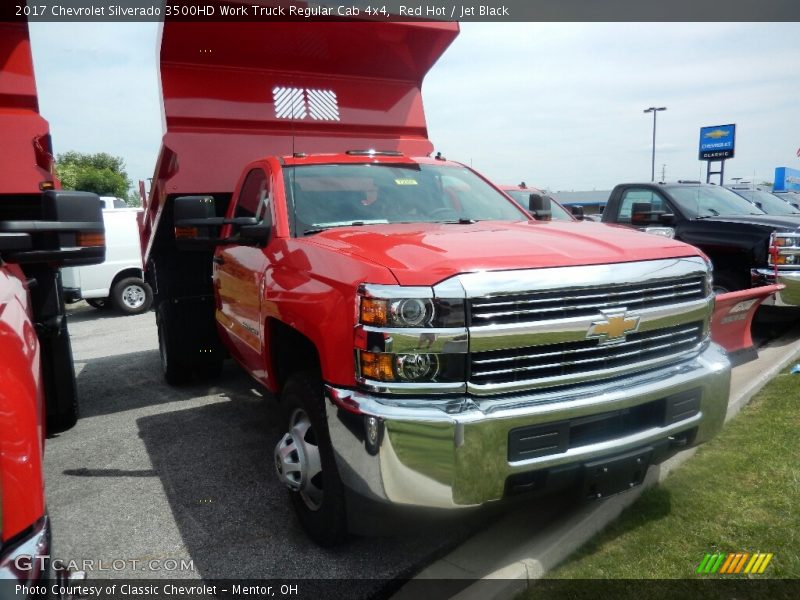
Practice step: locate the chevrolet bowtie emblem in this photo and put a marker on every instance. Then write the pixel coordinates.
(613, 328)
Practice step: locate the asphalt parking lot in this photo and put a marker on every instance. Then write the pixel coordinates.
(152, 472)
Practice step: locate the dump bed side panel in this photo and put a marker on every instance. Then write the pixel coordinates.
(233, 92)
(25, 132)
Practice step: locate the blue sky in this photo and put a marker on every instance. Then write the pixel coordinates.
(557, 105)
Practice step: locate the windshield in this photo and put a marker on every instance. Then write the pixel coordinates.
(710, 201)
(559, 213)
(324, 196)
(770, 204)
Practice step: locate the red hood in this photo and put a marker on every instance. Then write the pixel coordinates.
(427, 253)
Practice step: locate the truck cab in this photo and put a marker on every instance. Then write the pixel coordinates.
(747, 247)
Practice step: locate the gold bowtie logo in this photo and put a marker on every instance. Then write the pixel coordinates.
(613, 328)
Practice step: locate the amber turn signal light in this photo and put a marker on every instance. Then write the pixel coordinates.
(377, 366)
(183, 233)
(85, 240)
(374, 312)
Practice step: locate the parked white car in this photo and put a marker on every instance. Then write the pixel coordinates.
(119, 280)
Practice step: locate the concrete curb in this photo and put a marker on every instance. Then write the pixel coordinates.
(518, 550)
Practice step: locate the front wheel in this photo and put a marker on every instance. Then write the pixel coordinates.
(305, 463)
(132, 296)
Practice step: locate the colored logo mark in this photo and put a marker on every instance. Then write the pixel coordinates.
(717, 133)
(734, 563)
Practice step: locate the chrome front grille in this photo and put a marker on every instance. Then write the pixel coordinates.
(567, 360)
(582, 302)
(538, 329)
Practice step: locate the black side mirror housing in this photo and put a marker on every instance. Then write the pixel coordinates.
(577, 212)
(70, 232)
(540, 206)
(197, 226)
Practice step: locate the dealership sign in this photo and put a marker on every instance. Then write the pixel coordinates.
(786, 180)
(717, 142)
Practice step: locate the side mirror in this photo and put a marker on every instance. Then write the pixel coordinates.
(257, 234)
(197, 227)
(666, 219)
(194, 216)
(540, 207)
(69, 232)
(640, 213)
(577, 212)
(14, 242)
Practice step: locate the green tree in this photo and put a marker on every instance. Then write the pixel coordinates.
(100, 173)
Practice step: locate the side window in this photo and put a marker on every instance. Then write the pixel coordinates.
(633, 196)
(255, 198)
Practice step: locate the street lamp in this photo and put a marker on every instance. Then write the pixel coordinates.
(654, 110)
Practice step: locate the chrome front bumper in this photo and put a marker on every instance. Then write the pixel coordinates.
(455, 453)
(789, 296)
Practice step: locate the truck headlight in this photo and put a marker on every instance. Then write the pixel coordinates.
(784, 249)
(412, 367)
(398, 306)
(405, 312)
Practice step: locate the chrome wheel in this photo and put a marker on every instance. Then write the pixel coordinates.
(133, 296)
(297, 460)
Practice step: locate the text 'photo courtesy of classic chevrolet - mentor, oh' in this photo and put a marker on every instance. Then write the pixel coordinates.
(432, 344)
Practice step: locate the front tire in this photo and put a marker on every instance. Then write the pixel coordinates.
(132, 296)
(305, 462)
(184, 353)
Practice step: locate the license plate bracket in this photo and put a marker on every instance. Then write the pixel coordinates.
(607, 477)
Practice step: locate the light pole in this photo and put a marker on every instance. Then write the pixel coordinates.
(654, 110)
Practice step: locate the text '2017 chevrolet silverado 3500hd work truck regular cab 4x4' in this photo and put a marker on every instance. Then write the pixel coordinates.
(41, 229)
(432, 345)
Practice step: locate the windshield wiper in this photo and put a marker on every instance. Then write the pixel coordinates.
(324, 226)
(460, 221)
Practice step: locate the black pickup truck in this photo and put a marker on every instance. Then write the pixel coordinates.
(743, 243)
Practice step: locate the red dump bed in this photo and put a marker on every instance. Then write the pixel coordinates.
(235, 91)
(23, 129)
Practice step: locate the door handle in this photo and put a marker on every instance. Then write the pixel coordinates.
(218, 260)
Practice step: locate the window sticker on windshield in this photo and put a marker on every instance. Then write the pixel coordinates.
(406, 181)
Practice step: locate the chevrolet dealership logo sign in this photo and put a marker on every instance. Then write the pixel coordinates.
(613, 328)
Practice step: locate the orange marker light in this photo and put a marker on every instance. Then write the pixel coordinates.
(374, 312)
(377, 366)
(84, 240)
(183, 233)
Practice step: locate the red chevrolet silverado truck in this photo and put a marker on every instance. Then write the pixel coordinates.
(41, 229)
(431, 344)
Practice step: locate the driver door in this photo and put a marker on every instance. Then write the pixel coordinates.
(239, 273)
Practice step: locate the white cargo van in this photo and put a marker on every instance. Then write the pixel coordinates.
(118, 281)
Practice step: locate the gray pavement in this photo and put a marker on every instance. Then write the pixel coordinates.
(152, 472)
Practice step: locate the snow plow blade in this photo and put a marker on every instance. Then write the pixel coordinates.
(733, 318)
